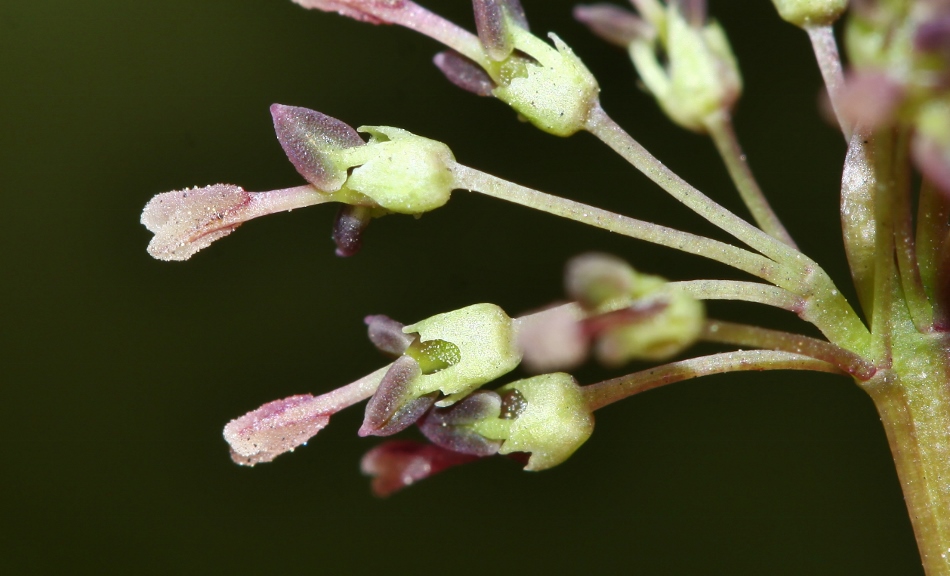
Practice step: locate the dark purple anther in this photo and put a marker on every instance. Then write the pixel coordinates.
(391, 410)
(386, 334)
(348, 229)
(464, 73)
(491, 22)
(308, 138)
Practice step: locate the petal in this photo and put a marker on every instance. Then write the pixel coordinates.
(274, 428)
(397, 464)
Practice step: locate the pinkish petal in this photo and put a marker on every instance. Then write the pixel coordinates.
(372, 11)
(185, 221)
(400, 463)
(553, 340)
(274, 428)
(464, 73)
(309, 139)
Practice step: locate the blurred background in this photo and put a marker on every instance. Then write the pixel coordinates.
(119, 371)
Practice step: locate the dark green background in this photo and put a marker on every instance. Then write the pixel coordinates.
(119, 371)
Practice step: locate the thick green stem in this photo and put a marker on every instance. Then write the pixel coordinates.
(913, 401)
(721, 131)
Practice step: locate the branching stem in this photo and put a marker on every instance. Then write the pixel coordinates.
(724, 137)
(609, 391)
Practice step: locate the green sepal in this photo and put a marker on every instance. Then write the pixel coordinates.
(485, 340)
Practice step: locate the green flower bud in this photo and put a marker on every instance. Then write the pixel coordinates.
(634, 316)
(810, 12)
(400, 171)
(658, 336)
(701, 76)
(459, 351)
(546, 416)
(554, 91)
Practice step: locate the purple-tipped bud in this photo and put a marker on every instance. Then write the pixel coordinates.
(464, 73)
(392, 409)
(309, 138)
(613, 23)
(386, 334)
(447, 427)
(274, 428)
(397, 464)
(492, 19)
(348, 229)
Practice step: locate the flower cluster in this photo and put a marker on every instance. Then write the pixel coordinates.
(893, 108)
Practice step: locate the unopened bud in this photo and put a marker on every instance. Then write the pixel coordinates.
(479, 343)
(810, 12)
(546, 416)
(701, 76)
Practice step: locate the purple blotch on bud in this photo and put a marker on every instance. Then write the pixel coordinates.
(464, 73)
(492, 18)
(308, 137)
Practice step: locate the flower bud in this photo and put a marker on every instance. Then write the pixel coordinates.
(552, 88)
(656, 336)
(810, 12)
(400, 171)
(546, 416)
(463, 349)
(632, 316)
(701, 76)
